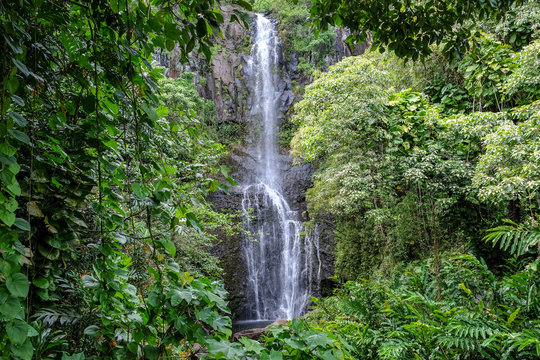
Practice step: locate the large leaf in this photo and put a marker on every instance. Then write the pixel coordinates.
(169, 247)
(18, 285)
(90, 282)
(23, 351)
(225, 350)
(8, 217)
(10, 308)
(17, 330)
(179, 295)
(22, 224)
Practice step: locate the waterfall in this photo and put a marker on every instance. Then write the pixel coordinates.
(280, 264)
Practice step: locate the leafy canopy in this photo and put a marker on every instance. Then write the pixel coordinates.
(409, 28)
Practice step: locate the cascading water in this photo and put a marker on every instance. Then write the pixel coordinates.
(280, 264)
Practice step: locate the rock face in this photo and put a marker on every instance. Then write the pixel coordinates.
(224, 83)
(342, 49)
(223, 80)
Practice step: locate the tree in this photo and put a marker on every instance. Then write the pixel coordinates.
(409, 27)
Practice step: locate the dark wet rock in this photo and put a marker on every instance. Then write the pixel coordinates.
(343, 49)
(293, 63)
(252, 334)
(256, 333)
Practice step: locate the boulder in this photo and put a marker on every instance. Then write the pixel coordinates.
(252, 334)
(256, 333)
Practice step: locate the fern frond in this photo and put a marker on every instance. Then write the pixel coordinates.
(514, 238)
(49, 316)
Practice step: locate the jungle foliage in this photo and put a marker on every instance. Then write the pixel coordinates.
(409, 28)
(429, 172)
(105, 169)
(466, 312)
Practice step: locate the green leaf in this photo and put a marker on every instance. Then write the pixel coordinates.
(17, 100)
(192, 221)
(137, 190)
(276, 355)
(49, 252)
(201, 28)
(78, 356)
(163, 111)
(58, 185)
(21, 66)
(11, 84)
(24, 351)
(186, 278)
(154, 299)
(18, 118)
(512, 317)
(180, 295)
(11, 205)
(11, 308)
(19, 135)
(17, 330)
(31, 331)
(169, 44)
(14, 188)
(8, 217)
(150, 111)
(225, 350)
(251, 345)
(190, 45)
(41, 283)
(22, 224)
(92, 330)
(7, 149)
(295, 344)
(18, 285)
(133, 347)
(213, 186)
(151, 352)
(90, 282)
(318, 339)
(169, 247)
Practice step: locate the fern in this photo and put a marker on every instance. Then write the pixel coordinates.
(49, 316)
(514, 238)
(394, 349)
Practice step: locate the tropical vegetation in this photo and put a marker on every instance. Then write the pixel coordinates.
(426, 152)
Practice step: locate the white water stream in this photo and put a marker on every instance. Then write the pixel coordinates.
(282, 267)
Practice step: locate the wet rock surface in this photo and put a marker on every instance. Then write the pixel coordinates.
(256, 333)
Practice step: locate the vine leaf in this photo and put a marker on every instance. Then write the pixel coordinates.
(18, 285)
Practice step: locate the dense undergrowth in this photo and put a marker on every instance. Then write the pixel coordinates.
(463, 311)
(106, 166)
